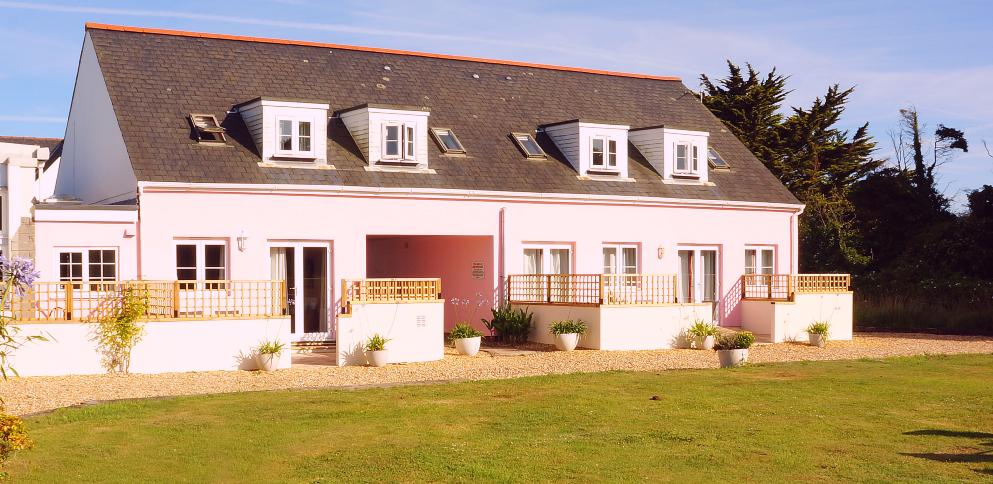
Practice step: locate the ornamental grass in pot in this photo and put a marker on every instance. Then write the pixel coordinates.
(466, 339)
(732, 348)
(817, 332)
(567, 333)
(267, 354)
(704, 334)
(376, 352)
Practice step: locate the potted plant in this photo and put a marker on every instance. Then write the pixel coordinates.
(567, 333)
(466, 339)
(732, 348)
(818, 333)
(704, 334)
(376, 352)
(267, 354)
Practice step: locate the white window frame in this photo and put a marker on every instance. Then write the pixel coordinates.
(85, 263)
(201, 259)
(294, 137)
(546, 256)
(407, 139)
(697, 286)
(609, 157)
(620, 261)
(759, 267)
(692, 159)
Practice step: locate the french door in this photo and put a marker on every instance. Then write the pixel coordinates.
(698, 280)
(305, 267)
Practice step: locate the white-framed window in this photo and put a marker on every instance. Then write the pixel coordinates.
(760, 260)
(687, 159)
(201, 260)
(548, 259)
(399, 141)
(87, 264)
(603, 153)
(620, 259)
(294, 137)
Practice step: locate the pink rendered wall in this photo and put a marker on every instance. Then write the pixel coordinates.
(447, 257)
(50, 237)
(346, 220)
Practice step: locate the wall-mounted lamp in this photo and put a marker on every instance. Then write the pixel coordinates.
(661, 252)
(128, 233)
(242, 240)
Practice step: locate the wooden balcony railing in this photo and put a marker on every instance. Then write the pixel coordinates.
(90, 301)
(592, 289)
(783, 287)
(385, 291)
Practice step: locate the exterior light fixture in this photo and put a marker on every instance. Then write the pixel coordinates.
(242, 239)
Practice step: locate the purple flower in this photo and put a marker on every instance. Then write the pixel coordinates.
(20, 271)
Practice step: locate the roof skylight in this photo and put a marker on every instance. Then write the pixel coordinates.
(447, 140)
(207, 129)
(528, 145)
(715, 159)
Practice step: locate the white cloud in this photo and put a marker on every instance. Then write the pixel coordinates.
(21, 118)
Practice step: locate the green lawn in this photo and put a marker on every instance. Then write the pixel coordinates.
(907, 419)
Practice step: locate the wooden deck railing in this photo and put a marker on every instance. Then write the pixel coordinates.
(592, 289)
(90, 301)
(783, 287)
(385, 291)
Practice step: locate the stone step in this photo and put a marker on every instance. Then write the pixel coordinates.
(306, 347)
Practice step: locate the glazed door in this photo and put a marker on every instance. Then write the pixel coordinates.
(305, 269)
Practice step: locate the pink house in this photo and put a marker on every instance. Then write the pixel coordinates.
(203, 157)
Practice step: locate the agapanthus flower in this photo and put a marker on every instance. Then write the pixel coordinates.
(20, 271)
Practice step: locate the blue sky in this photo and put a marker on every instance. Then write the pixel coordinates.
(933, 55)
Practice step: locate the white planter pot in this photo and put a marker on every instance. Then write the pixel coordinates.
(818, 340)
(729, 358)
(468, 346)
(705, 342)
(378, 358)
(567, 341)
(267, 362)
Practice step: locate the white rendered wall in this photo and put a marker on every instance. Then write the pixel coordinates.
(105, 229)
(167, 346)
(415, 330)
(622, 327)
(95, 166)
(788, 321)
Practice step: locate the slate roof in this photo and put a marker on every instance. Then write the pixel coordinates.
(156, 78)
(49, 143)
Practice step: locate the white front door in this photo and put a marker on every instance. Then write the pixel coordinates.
(306, 268)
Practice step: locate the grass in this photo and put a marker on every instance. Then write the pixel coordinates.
(903, 419)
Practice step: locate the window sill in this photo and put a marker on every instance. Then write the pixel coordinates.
(300, 164)
(604, 171)
(395, 168)
(292, 157)
(616, 177)
(686, 176)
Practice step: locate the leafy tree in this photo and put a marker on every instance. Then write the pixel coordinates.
(815, 159)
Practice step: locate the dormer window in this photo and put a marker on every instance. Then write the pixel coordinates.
(294, 138)
(207, 129)
(604, 153)
(399, 142)
(528, 145)
(687, 159)
(447, 140)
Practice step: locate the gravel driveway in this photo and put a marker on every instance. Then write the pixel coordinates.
(37, 394)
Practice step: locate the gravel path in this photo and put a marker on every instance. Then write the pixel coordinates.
(37, 394)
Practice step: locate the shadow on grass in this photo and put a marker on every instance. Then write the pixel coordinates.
(980, 457)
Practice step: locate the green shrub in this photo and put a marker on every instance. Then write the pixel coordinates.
(13, 437)
(819, 327)
(271, 348)
(376, 343)
(463, 330)
(509, 324)
(569, 326)
(741, 340)
(702, 329)
(118, 330)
